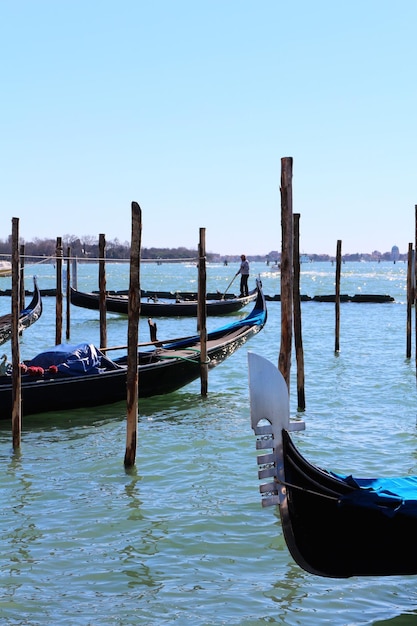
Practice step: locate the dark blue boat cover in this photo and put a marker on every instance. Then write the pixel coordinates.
(389, 495)
(73, 360)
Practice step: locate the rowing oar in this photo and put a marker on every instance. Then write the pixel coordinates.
(155, 343)
(228, 286)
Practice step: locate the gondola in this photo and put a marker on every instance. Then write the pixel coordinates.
(155, 307)
(67, 377)
(27, 317)
(5, 268)
(334, 525)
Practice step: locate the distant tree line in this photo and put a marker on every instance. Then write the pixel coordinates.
(86, 247)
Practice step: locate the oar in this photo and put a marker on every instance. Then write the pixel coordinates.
(228, 286)
(156, 343)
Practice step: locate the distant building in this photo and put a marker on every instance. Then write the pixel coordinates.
(273, 256)
(395, 253)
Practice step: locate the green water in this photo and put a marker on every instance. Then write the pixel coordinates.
(182, 538)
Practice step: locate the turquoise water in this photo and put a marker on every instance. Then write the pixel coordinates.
(182, 538)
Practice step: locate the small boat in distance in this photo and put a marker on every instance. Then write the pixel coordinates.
(334, 525)
(27, 317)
(155, 307)
(5, 268)
(68, 377)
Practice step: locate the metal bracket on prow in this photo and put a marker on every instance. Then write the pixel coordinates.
(270, 414)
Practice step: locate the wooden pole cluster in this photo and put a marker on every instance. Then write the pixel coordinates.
(290, 285)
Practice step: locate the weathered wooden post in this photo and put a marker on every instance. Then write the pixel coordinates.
(102, 289)
(298, 339)
(415, 282)
(22, 277)
(284, 360)
(68, 295)
(132, 338)
(74, 281)
(59, 255)
(16, 373)
(202, 311)
(337, 295)
(410, 299)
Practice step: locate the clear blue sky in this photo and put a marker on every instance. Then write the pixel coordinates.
(188, 106)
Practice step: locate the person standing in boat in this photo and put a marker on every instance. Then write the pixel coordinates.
(244, 276)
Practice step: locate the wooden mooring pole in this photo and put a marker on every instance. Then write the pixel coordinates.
(132, 338)
(22, 277)
(410, 299)
(102, 289)
(298, 339)
(74, 279)
(284, 360)
(337, 296)
(415, 283)
(68, 296)
(16, 372)
(202, 311)
(59, 256)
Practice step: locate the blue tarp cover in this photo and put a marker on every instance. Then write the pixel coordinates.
(392, 495)
(73, 360)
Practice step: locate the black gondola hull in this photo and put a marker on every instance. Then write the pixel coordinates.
(331, 535)
(170, 308)
(28, 316)
(160, 372)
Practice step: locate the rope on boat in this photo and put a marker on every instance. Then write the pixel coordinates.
(310, 491)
